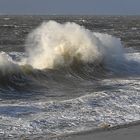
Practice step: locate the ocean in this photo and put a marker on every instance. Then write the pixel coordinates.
(61, 75)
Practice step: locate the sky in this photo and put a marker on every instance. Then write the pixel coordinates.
(71, 7)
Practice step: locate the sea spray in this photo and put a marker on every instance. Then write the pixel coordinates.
(53, 44)
(7, 65)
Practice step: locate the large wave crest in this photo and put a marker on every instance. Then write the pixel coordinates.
(53, 44)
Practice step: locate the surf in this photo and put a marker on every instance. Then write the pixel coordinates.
(53, 44)
(66, 49)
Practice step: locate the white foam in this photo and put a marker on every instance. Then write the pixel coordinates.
(53, 44)
(6, 64)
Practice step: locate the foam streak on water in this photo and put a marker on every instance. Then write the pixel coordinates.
(111, 106)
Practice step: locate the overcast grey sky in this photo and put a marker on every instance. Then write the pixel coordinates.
(125, 7)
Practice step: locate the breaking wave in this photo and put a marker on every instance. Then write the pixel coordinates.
(53, 44)
(69, 48)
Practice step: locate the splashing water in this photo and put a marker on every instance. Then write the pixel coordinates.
(53, 44)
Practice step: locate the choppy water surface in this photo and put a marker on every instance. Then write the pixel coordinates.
(65, 74)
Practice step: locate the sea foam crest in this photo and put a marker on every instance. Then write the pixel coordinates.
(53, 44)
